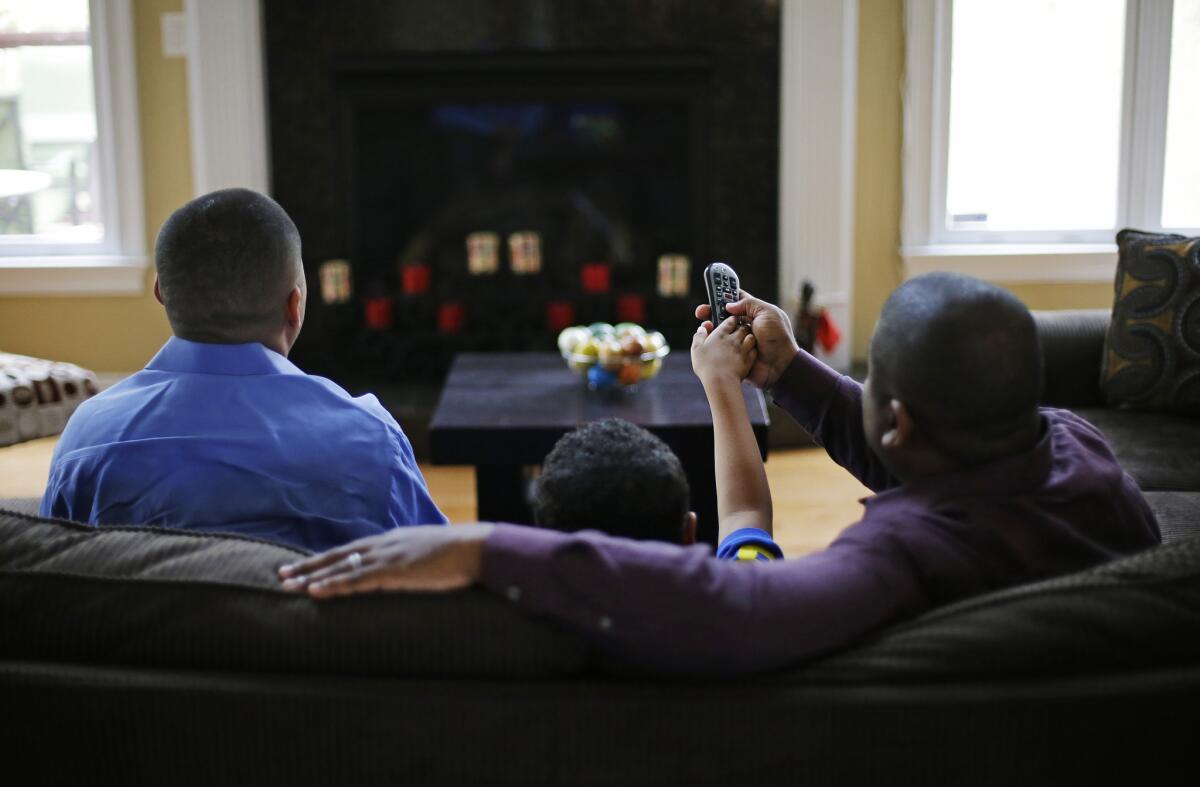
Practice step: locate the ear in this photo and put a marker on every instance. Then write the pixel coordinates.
(157, 291)
(295, 307)
(689, 529)
(900, 428)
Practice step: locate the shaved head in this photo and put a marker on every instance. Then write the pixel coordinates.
(226, 263)
(964, 357)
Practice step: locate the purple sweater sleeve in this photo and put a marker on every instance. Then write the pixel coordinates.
(829, 407)
(681, 610)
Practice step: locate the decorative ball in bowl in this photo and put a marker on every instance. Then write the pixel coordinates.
(612, 356)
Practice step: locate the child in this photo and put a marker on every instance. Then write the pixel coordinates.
(722, 357)
(618, 478)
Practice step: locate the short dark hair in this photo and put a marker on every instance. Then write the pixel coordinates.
(963, 356)
(226, 262)
(614, 477)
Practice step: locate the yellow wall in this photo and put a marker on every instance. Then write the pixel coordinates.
(121, 333)
(1065, 295)
(877, 189)
(877, 265)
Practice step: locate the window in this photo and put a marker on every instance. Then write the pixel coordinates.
(47, 123)
(1044, 126)
(1181, 171)
(70, 179)
(1034, 140)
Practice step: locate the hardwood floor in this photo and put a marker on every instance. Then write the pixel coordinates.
(24, 467)
(814, 498)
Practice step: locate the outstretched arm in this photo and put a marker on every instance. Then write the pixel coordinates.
(721, 358)
(827, 404)
(671, 608)
(829, 407)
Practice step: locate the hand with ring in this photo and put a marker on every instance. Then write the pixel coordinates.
(408, 558)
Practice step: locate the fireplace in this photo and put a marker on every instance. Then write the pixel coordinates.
(477, 180)
(491, 201)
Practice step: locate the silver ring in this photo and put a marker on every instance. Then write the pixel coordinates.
(355, 560)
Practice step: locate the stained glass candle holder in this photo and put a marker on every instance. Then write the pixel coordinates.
(335, 281)
(525, 253)
(674, 273)
(483, 253)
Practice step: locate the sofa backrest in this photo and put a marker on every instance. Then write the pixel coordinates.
(140, 596)
(1141, 612)
(159, 598)
(1073, 347)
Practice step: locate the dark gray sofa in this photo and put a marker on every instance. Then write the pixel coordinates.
(142, 656)
(1161, 451)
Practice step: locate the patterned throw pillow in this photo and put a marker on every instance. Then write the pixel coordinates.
(1152, 353)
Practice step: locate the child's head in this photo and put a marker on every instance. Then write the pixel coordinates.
(955, 376)
(618, 478)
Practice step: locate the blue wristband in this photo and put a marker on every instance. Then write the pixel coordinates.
(752, 539)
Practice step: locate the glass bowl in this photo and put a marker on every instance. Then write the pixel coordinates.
(617, 370)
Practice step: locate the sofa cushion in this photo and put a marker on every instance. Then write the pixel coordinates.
(1135, 613)
(1152, 353)
(1160, 451)
(1178, 514)
(177, 599)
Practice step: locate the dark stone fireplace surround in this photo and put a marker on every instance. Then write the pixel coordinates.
(311, 45)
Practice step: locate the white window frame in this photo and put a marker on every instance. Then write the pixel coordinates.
(116, 265)
(1064, 256)
(227, 95)
(818, 95)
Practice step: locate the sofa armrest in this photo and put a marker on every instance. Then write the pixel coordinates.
(1073, 346)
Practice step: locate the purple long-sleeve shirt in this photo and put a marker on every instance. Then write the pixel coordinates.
(1060, 507)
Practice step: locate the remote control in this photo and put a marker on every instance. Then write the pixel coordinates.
(722, 285)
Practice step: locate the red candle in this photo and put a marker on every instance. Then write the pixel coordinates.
(594, 276)
(559, 315)
(379, 313)
(631, 308)
(451, 317)
(415, 279)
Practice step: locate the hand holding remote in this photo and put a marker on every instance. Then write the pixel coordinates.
(772, 331)
(723, 355)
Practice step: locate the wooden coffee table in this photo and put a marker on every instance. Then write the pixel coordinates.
(503, 412)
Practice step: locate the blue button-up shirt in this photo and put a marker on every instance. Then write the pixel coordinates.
(234, 438)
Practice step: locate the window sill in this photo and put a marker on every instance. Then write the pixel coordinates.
(1014, 263)
(73, 275)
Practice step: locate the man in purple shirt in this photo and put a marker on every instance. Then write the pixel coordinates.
(976, 489)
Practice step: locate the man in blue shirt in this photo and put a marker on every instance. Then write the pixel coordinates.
(220, 432)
